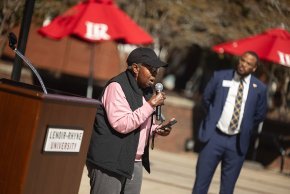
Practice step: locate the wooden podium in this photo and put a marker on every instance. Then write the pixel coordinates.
(44, 139)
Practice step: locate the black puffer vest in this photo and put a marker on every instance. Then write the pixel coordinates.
(113, 151)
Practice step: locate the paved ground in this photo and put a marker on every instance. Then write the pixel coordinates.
(174, 173)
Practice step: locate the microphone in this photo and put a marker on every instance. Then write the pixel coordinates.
(158, 88)
(12, 41)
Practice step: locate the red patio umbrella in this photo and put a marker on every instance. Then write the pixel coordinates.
(94, 21)
(272, 45)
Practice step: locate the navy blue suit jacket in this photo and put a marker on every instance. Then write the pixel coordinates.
(214, 98)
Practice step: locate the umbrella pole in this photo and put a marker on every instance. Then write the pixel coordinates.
(91, 72)
(23, 36)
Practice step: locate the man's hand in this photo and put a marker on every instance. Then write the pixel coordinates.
(165, 129)
(163, 132)
(157, 99)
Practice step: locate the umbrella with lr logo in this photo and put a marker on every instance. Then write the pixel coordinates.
(272, 45)
(94, 21)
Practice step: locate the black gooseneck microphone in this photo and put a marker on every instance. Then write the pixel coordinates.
(12, 42)
(158, 88)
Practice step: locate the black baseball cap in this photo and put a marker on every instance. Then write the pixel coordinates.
(145, 56)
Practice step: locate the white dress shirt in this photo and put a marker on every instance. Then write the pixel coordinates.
(224, 122)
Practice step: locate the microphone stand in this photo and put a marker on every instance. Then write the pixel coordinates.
(12, 42)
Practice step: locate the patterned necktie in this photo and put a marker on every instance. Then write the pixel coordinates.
(237, 109)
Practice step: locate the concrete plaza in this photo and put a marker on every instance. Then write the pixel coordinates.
(174, 173)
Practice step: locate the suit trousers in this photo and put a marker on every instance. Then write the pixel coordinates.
(220, 148)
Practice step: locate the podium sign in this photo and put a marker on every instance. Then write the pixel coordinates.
(63, 140)
(44, 140)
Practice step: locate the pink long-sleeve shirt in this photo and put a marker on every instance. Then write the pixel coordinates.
(123, 119)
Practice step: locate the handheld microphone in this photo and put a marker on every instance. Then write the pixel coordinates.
(158, 88)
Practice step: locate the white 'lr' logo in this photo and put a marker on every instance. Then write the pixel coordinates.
(284, 58)
(96, 31)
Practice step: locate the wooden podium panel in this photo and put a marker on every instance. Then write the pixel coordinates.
(25, 116)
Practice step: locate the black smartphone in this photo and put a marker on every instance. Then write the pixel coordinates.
(168, 125)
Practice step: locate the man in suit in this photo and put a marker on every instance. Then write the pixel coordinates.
(235, 102)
